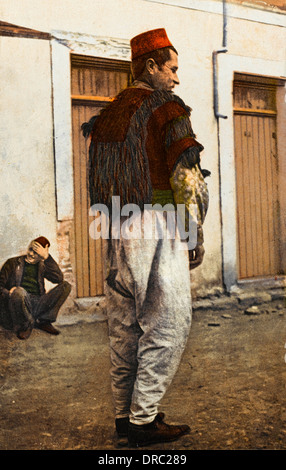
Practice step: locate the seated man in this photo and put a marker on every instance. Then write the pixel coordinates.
(24, 302)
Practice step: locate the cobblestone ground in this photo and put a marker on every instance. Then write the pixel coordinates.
(230, 387)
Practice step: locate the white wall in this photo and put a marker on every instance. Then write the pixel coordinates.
(27, 194)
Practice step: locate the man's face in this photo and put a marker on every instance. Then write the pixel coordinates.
(32, 257)
(165, 77)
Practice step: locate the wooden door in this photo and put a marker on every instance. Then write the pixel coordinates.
(94, 83)
(256, 179)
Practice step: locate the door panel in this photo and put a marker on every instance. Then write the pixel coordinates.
(94, 83)
(89, 253)
(256, 182)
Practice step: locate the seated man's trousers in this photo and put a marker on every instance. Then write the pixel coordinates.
(25, 309)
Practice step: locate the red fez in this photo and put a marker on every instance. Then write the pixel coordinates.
(149, 42)
(43, 241)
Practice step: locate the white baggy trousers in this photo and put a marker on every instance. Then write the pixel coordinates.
(149, 317)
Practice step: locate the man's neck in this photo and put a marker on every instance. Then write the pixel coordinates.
(142, 84)
(27, 261)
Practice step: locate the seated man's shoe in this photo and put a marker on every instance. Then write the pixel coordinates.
(48, 327)
(121, 425)
(152, 433)
(24, 334)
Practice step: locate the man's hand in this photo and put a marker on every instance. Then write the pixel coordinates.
(12, 290)
(41, 251)
(196, 256)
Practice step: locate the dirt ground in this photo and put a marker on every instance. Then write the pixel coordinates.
(230, 387)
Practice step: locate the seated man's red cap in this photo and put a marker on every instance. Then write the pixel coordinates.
(149, 42)
(43, 241)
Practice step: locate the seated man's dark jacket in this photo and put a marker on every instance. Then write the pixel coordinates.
(12, 272)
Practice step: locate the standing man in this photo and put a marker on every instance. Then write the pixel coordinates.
(143, 150)
(23, 300)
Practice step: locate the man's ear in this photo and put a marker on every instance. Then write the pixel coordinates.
(150, 66)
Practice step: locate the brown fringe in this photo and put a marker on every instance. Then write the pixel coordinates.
(121, 168)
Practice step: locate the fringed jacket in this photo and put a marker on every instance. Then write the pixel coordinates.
(143, 149)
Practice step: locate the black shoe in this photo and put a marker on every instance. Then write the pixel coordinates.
(48, 327)
(152, 433)
(121, 425)
(24, 334)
